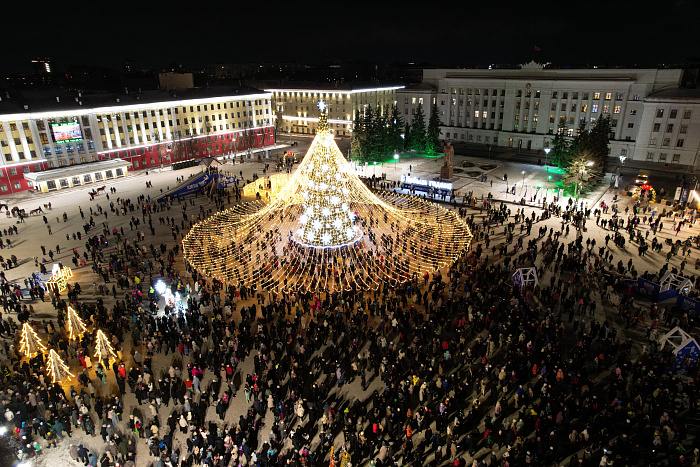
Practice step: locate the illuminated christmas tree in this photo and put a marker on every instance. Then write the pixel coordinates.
(56, 367)
(30, 344)
(76, 327)
(103, 349)
(327, 219)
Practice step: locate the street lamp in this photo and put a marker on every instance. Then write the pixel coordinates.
(396, 160)
(546, 157)
(523, 174)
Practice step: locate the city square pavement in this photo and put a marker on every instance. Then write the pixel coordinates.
(34, 233)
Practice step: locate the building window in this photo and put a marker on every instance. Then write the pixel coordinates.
(617, 109)
(633, 112)
(673, 113)
(76, 180)
(665, 141)
(630, 125)
(63, 182)
(662, 157)
(686, 114)
(584, 107)
(18, 186)
(120, 173)
(596, 95)
(608, 96)
(669, 128)
(476, 114)
(484, 114)
(98, 176)
(656, 127)
(606, 108)
(652, 141)
(555, 95)
(679, 143)
(650, 156)
(659, 113)
(676, 158)
(87, 178)
(594, 108)
(683, 130)
(51, 184)
(623, 151)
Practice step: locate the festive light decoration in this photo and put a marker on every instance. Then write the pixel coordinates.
(59, 277)
(325, 230)
(103, 349)
(30, 344)
(76, 326)
(56, 367)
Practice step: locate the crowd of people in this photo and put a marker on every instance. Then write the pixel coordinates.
(460, 367)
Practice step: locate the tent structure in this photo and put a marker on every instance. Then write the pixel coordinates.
(685, 347)
(525, 277)
(671, 281)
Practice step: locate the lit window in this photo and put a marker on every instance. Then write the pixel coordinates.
(420, 101)
(476, 114)
(606, 108)
(483, 114)
(413, 100)
(617, 109)
(659, 113)
(608, 96)
(596, 95)
(594, 109)
(584, 107)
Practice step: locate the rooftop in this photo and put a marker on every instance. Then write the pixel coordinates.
(59, 99)
(676, 93)
(75, 170)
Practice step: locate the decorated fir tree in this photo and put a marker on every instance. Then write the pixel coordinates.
(56, 367)
(103, 349)
(327, 218)
(76, 326)
(30, 344)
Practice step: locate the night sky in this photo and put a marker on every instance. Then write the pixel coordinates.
(429, 32)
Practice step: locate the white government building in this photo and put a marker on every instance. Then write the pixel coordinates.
(652, 118)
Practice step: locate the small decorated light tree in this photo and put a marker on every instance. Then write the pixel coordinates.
(56, 367)
(103, 349)
(76, 326)
(30, 344)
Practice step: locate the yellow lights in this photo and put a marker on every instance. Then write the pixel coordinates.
(103, 349)
(59, 278)
(325, 230)
(56, 367)
(76, 327)
(29, 343)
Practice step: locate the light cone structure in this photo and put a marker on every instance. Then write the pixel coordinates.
(326, 231)
(103, 349)
(76, 326)
(30, 343)
(56, 367)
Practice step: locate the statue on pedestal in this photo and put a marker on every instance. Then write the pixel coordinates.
(446, 170)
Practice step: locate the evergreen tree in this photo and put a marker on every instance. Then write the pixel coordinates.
(417, 141)
(407, 137)
(432, 137)
(599, 141)
(395, 128)
(370, 139)
(561, 150)
(358, 136)
(380, 139)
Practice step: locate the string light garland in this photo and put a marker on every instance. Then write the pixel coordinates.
(103, 349)
(30, 344)
(326, 231)
(76, 326)
(56, 367)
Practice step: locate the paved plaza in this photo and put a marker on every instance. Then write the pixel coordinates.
(502, 236)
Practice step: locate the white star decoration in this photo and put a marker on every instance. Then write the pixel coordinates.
(321, 105)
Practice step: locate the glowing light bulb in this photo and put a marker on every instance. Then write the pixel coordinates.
(326, 238)
(326, 212)
(303, 218)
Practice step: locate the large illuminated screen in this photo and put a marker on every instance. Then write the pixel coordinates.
(66, 132)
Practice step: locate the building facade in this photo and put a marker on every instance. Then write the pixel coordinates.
(296, 110)
(152, 129)
(524, 108)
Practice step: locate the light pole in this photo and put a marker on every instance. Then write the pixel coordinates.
(396, 160)
(546, 158)
(523, 174)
